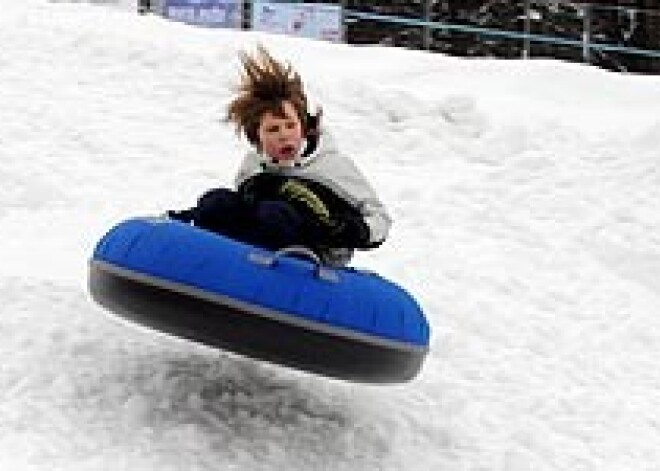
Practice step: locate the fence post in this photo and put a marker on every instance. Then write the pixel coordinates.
(528, 30)
(586, 33)
(144, 6)
(427, 28)
(246, 10)
(344, 29)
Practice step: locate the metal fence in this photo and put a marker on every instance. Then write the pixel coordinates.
(602, 34)
(605, 35)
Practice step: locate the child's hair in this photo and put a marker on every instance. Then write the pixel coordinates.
(265, 85)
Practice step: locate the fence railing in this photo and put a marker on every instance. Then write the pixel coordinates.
(595, 32)
(434, 32)
(435, 25)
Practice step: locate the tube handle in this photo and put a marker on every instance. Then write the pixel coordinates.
(271, 259)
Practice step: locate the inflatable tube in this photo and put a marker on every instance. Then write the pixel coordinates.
(280, 307)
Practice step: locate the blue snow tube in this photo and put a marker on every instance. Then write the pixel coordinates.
(283, 307)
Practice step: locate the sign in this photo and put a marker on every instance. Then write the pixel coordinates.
(307, 20)
(212, 13)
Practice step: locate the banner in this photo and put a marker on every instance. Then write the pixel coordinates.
(212, 13)
(308, 20)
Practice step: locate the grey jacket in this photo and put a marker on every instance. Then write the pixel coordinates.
(333, 169)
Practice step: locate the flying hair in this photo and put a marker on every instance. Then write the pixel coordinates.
(264, 87)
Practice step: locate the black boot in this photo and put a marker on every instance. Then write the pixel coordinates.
(187, 215)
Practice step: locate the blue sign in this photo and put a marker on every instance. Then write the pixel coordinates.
(212, 13)
(308, 20)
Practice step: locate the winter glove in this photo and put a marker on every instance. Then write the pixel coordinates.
(349, 230)
(301, 197)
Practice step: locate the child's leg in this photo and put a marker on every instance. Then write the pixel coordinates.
(276, 225)
(220, 210)
(269, 224)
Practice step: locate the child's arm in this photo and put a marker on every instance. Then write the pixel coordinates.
(342, 225)
(261, 187)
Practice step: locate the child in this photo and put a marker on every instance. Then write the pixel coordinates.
(295, 187)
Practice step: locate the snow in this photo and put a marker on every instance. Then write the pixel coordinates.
(526, 199)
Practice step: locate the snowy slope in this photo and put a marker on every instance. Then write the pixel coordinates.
(526, 198)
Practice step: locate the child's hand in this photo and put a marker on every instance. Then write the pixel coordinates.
(298, 194)
(349, 231)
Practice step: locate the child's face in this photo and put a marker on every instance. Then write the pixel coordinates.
(281, 137)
